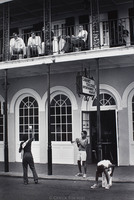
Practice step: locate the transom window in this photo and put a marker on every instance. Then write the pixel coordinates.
(133, 115)
(61, 118)
(105, 100)
(1, 124)
(28, 116)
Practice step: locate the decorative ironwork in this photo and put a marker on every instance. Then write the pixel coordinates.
(47, 26)
(6, 17)
(95, 23)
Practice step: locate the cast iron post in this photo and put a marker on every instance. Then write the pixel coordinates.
(6, 163)
(99, 145)
(49, 128)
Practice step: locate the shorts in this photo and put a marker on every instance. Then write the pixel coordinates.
(82, 156)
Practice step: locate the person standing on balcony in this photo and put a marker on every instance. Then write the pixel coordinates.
(82, 155)
(76, 41)
(17, 47)
(34, 45)
(27, 158)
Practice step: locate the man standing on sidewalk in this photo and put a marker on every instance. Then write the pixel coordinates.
(27, 157)
(82, 155)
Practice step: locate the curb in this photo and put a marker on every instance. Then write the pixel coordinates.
(60, 177)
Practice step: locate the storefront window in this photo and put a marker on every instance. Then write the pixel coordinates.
(28, 115)
(61, 118)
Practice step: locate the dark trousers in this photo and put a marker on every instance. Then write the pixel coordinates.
(28, 160)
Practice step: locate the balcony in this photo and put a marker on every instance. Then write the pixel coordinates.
(115, 39)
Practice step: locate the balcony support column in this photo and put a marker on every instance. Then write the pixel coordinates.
(6, 162)
(49, 128)
(6, 22)
(95, 23)
(47, 27)
(99, 145)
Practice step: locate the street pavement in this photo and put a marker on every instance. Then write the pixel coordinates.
(13, 188)
(67, 172)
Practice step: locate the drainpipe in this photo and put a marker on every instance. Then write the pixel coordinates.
(49, 128)
(6, 163)
(99, 145)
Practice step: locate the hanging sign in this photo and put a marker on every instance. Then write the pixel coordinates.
(86, 86)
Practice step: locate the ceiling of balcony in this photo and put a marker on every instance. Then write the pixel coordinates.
(22, 9)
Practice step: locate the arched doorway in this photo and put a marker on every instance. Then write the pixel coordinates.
(108, 128)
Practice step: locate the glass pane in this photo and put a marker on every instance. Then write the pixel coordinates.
(63, 119)
(52, 111)
(31, 111)
(63, 128)
(69, 128)
(58, 136)
(52, 118)
(21, 112)
(36, 136)
(69, 110)
(63, 137)
(53, 137)
(52, 128)
(21, 120)
(69, 136)
(57, 110)
(58, 128)
(21, 129)
(36, 120)
(26, 120)
(69, 119)
(26, 112)
(63, 110)
(58, 119)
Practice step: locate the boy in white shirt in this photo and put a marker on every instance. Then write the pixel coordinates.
(103, 167)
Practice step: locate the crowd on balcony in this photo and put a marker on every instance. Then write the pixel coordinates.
(68, 39)
(37, 47)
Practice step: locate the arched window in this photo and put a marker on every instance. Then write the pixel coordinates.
(1, 124)
(105, 100)
(133, 115)
(28, 115)
(61, 118)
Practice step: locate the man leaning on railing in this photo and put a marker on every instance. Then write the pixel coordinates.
(78, 41)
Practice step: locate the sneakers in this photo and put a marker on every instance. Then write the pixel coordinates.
(84, 175)
(62, 52)
(36, 181)
(79, 174)
(107, 187)
(94, 186)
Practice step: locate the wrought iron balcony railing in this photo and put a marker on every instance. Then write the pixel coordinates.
(112, 33)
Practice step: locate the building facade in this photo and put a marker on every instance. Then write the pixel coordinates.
(25, 80)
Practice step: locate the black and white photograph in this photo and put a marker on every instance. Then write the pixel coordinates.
(66, 99)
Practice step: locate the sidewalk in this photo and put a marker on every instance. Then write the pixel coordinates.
(67, 172)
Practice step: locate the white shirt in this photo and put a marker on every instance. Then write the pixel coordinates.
(83, 34)
(36, 41)
(105, 163)
(17, 43)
